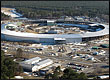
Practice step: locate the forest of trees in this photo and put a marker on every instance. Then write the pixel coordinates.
(9, 68)
(36, 9)
(68, 74)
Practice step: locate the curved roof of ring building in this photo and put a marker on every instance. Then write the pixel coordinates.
(105, 31)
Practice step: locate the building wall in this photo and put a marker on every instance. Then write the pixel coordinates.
(15, 38)
(47, 40)
(26, 66)
(2, 37)
(72, 40)
(41, 40)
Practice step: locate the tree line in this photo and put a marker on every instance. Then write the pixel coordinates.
(36, 9)
(68, 74)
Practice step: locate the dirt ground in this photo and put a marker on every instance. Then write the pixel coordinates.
(6, 9)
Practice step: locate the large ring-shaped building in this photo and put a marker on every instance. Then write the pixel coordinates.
(52, 38)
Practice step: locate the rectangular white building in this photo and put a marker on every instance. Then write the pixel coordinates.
(35, 64)
(42, 64)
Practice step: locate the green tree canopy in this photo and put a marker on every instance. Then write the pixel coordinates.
(8, 67)
(42, 9)
(19, 53)
(68, 73)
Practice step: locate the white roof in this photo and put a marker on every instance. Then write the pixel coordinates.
(105, 31)
(44, 61)
(31, 60)
(30, 35)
